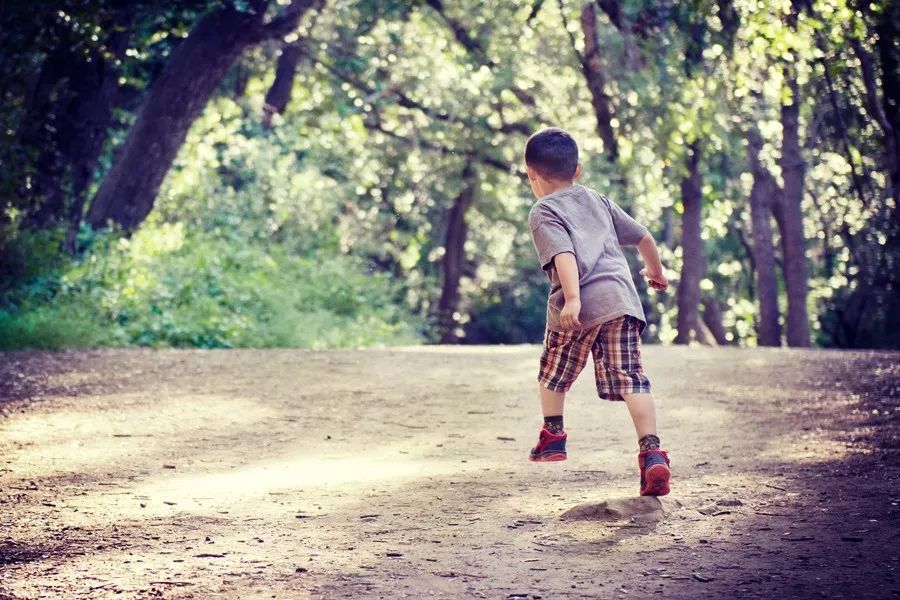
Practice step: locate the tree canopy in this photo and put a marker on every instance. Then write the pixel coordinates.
(334, 172)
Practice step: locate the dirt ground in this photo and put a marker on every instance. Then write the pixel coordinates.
(403, 473)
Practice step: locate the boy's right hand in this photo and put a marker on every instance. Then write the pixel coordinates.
(568, 317)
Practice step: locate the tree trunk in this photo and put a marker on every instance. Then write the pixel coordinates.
(453, 261)
(730, 19)
(764, 191)
(592, 66)
(68, 115)
(793, 239)
(629, 28)
(279, 94)
(42, 191)
(667, 237)
(712, 318)
(92, 118)
(68, 118)
(241, 77)
(176, 98)
(887, 29)
(693, 256)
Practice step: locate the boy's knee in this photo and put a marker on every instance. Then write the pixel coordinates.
(555, 386)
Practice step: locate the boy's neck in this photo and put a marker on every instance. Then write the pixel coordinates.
(551, 187)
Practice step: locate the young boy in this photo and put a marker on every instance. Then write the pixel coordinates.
(593, 306)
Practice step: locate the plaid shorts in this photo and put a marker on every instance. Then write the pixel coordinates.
(616, 346)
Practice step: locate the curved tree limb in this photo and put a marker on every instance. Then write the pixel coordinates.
(176, 98)
(404, 100)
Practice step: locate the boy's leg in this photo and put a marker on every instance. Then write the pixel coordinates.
(643, 415)
(551, 444)
(552, 406)
(620, 376)
(563, 357)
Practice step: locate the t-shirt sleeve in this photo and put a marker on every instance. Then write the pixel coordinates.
(550, 237)
(628, 231)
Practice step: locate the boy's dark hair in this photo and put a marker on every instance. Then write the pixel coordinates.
(553, 153)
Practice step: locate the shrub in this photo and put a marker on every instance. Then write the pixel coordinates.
(164, 287)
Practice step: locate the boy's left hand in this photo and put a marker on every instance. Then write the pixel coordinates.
(657, 281)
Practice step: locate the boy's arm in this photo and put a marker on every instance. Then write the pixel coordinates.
(567, 269)
(653, 267)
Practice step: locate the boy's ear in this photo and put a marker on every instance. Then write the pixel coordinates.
(578, 172)
(532, 174)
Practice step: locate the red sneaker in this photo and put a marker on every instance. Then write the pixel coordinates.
(654, 466)
(551, 447)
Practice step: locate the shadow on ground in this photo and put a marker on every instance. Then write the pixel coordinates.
(401, 472)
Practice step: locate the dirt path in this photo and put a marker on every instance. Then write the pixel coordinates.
(402, 473)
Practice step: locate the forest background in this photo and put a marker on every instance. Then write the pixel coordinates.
(327, 173)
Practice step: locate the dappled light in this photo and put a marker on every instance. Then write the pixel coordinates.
(288, 289)
(359, 486)
(240, 490)
(47, 444)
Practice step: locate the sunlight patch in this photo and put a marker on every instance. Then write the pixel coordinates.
(83, 441)
(239, 490)
(811, 448)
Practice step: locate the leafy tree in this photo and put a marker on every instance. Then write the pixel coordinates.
(758, 141)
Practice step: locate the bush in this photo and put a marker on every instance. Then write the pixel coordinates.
(163, 287)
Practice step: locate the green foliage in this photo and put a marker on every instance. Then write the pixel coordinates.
(300, 234)
(510, 312)
(166, 287)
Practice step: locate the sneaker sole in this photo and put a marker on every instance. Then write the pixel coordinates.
(657, 481)
(554, 457)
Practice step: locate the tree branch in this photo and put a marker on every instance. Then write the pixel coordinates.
(461, 34)
(574, 44)
(592, 64)
(375, 125)
(535, 9)
(592, 68)
(405, 101)
(842, 127)
(474, 48)
(285, 22)
(868, 71)
(646, 19)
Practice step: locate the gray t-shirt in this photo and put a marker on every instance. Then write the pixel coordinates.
(594, 229)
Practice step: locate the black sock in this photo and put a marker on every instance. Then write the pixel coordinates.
(554, 423)
(649, 442)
